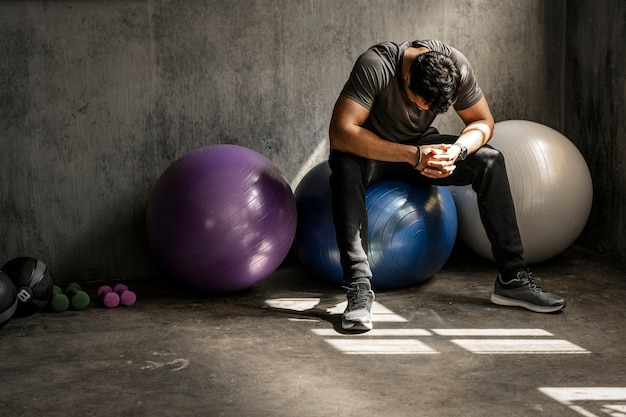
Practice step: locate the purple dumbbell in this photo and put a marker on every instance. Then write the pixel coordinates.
(109, 298)
(127, 297)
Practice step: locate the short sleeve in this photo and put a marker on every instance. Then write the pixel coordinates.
(369, 76)
(469, 92)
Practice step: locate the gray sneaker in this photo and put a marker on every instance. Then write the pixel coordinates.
(523, 291)
(358, 313)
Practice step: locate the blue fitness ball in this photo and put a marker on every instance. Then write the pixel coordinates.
(412, 229)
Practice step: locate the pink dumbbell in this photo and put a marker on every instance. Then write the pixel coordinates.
(109, 298)
(127, 297)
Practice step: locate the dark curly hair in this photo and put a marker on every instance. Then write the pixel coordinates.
(435, 78)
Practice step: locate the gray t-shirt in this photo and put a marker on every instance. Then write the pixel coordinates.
(376, 83)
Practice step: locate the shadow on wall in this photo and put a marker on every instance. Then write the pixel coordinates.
(100, 251)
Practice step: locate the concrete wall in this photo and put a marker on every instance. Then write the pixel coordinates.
(97, 98)
(594, 110)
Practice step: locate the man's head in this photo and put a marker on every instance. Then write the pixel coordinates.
(434, 78)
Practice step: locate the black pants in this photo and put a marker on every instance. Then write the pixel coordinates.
(484, 170)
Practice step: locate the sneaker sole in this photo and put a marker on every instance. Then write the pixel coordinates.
(356, 325)
(503, 301)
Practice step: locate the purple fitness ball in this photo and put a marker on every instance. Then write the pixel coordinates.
(221, 218)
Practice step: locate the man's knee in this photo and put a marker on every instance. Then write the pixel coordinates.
(490, 157)
(345, 168)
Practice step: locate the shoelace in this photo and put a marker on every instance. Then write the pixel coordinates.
(527, 279)
(357, 297)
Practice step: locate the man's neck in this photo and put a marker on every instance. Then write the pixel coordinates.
(409, 55)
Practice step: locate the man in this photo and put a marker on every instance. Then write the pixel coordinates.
(380, 128)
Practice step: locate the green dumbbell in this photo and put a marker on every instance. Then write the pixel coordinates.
(59, 301)
(79, 299)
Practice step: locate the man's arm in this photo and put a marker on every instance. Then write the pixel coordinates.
(347, 135)
(478, 126)
(440, 163)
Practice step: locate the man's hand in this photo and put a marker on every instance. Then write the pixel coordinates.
(438, 161)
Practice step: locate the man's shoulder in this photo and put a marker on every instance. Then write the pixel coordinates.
(434, 45)
(387, 50)
(387, 45)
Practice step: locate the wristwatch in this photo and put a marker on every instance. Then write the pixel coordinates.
(463, 153)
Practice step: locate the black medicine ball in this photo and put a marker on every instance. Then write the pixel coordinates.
(32, 281)
(8, 299)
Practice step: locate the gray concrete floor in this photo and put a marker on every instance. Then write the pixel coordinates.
(438, 349)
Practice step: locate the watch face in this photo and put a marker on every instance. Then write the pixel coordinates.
(463, 153)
